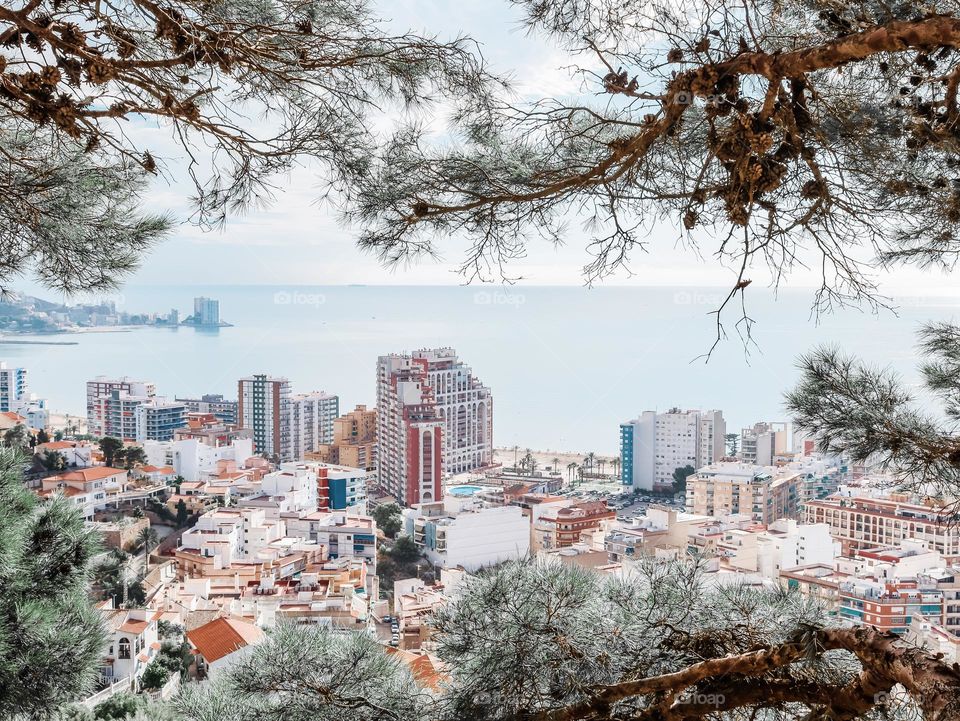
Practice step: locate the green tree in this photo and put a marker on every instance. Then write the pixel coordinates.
(728, 116)
(155, 675)
(263, 86)
(555, 642)
(53, 461)
(17, 437)
(388, 518)
(43, 436)
(111, 449)
(183, 514)
(588, 462)
(404, 550)
(147, 540)
(51, 639)
(733, 443)
(133, 456)
(118, 707)
(680, 476)
(869, 413)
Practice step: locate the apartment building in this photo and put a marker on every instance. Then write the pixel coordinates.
(342, 534)
(863, 522)
(655, 444)
(471, 538)
(763, 442)
(13, 387)
(888, 607)
(435, 420)
(727, 488)
(157, 419)
(111, 405)
(410, 432)
(341, 488)
(561, 527)
(263, 407)
(311, 422)
(225, 410)
(354, 441)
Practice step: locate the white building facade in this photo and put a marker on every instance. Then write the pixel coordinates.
(470, 539)
(654, 445)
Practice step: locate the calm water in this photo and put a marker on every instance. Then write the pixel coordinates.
(566, 365)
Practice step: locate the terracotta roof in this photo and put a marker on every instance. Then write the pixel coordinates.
(94, 473)
(223, 636)
(424, 671)
(58, 445)
(13, 416)
(134, 626)
(157, 469)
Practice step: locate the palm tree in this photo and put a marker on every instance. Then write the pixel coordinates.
(589, 460)
(571, 466)
(147, 539)
(601, 462)
(516, 450)
(556, 464)
(527, 462)
(616, 467)
(580, 474)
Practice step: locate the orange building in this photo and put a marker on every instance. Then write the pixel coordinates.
(354, 441)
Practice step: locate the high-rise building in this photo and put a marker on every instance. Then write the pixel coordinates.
(206, 311)
(225, 410)
(435, 419)
(111, 404)
(13, 387)
(311, 422)
(354, 441)
(654, 445)
(14, 397)
(409, 432)
(158, 419)
(763, 442)
(263, 403)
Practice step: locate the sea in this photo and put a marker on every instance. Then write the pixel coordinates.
(566, 365)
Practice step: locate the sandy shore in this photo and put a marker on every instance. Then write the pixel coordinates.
(61, 421)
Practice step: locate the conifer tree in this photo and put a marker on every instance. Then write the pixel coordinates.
(51, 639)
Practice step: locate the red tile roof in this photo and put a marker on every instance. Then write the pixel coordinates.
(94, 473)
(58, 445)
(157, 469)
(137, 627)
(223, 636)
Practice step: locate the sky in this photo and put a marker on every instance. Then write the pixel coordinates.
(295, 240)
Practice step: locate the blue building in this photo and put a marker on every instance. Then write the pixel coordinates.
(626, 453)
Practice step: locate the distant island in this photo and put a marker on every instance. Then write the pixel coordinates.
(29, 315)
(206, 314)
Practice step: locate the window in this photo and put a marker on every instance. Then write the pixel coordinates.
(124, 648)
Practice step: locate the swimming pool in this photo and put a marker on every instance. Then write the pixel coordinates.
(463, 491)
